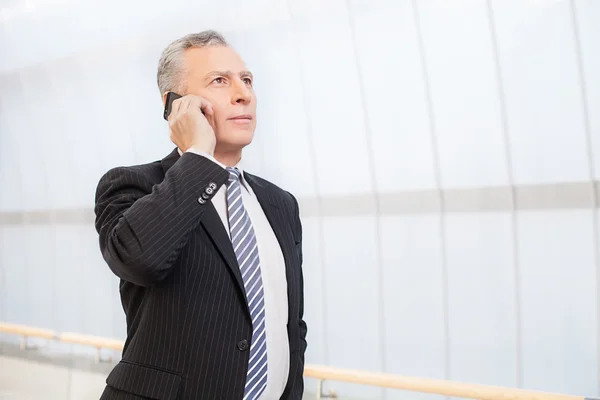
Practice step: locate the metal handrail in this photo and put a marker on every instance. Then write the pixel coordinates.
(324, 373)
(426, 385)
(26, 332)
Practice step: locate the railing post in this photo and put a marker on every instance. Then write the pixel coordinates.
(25, 343)
(320, 395)
(98, 359)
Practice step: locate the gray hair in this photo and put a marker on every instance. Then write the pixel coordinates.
(171, 66)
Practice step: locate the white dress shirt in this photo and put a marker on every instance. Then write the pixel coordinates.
(272, 268)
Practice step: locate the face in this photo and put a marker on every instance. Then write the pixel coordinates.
(219, 75)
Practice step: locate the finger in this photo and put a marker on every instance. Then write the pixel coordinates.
(208, 110)
(204, 105)
(186, 104)
(175, 108)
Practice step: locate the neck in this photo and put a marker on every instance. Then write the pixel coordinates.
(228, 158)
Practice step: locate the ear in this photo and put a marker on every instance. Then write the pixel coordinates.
(164, 98)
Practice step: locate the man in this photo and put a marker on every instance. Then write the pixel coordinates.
(209, 256)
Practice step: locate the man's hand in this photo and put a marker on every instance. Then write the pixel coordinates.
(191, 123)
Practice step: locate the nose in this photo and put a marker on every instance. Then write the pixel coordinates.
(241, 94)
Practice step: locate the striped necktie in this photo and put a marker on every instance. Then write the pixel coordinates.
(246, 251)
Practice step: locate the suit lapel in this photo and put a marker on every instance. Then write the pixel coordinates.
(276, 215)
(279, 220)
(269, 205)
(214, 227)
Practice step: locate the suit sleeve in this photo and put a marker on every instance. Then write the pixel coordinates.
(143, 226)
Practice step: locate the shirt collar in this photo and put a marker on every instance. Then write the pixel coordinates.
(242, 177)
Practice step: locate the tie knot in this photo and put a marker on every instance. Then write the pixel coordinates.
(234, 174)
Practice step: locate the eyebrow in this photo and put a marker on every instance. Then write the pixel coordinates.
(242, 74)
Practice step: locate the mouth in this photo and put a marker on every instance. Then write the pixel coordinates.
(242, 118)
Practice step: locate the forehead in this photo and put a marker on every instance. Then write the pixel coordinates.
(202, 61)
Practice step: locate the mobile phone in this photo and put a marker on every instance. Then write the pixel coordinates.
(171, 96)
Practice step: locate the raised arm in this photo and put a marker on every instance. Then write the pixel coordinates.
(142, 226)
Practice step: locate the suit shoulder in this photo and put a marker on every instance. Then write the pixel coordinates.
(140, 175)
(146, 171)
(278, 192)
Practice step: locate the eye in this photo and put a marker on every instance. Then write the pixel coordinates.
(247, 81)
(219, 80)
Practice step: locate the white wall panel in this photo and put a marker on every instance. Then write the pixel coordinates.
(587, 15)
(395, 96)
(335, 106)
(10, 154)
(543, 97)
(37, 250)
(559, 301)
(130, 128)
(70, 280)
(352, 298)
(29, 159)
(413, 290)
(125, 109)
(481, 298)
(34, 98)
(14, 293)
(464, 92)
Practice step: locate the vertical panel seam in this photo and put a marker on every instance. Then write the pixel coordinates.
(511, 182)
(438, 181)
(370, 155)
(591, 170)
(312, 158)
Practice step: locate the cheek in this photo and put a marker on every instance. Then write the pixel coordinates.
(219, 116)
(216, 103)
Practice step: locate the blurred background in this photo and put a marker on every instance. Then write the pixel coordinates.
(445, 155)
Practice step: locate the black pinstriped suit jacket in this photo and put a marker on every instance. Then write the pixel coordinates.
(188, 323)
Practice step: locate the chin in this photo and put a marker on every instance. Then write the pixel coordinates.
(236, 139)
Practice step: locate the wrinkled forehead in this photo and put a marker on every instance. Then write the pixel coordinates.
(202, 62)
